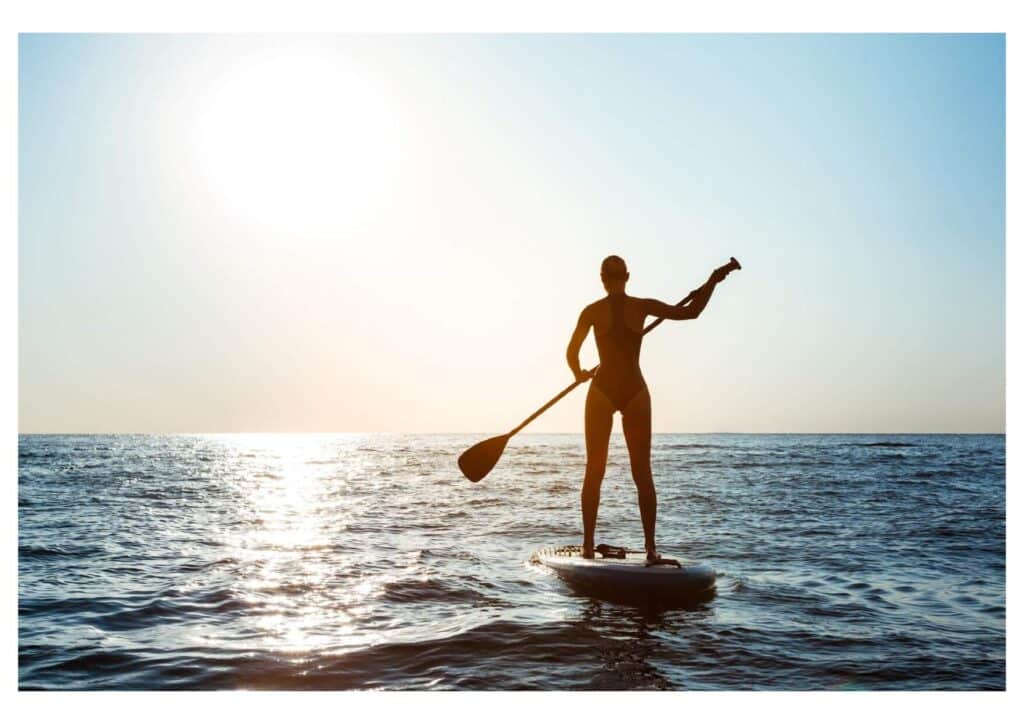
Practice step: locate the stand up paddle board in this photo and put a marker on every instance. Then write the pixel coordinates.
(620, 573)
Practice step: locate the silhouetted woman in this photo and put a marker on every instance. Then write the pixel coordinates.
(618, 385)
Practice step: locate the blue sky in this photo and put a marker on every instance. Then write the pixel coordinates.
(259, 233)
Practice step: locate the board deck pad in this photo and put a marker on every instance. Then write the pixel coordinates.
(628, 576)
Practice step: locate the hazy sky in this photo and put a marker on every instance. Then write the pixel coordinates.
(231, 233)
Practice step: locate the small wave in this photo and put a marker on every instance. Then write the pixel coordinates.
(538, 471)
(884, 444)
(891, 456)
(692, 446)
(173, 606)
(737, 585)
(518, 656)
(486, 502)
(447, 554)
(27, 452)
(948, 531)
(70, 605)
(561, 488)
(288, 589)
(429, 590)
(93, 663)
(197, 566)
(30, 551)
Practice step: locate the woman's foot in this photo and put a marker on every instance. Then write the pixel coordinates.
(652, 555)
(587, 551)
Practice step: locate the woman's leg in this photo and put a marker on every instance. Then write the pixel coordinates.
(598, 427)
(636, 426)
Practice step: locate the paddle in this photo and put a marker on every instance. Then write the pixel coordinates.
(480, 459)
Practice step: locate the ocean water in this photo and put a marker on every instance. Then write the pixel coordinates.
(368, 562)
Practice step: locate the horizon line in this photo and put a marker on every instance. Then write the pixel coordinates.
(397, 432)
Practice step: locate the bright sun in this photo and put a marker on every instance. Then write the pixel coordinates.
(296, 140)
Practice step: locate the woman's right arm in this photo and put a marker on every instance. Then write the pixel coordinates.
(657, 308)
(698, 297)
(572, 352)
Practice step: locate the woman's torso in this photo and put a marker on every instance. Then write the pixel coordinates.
(618, 329)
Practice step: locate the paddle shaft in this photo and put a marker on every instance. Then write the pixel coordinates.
(570, 388)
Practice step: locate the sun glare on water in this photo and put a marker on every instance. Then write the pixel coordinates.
(289, 550)
(295, 139)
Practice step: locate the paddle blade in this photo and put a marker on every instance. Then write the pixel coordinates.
(476, 462)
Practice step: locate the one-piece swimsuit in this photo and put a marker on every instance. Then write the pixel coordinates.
(618, 375)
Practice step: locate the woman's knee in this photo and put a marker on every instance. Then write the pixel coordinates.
(641, 470)
(644, 480)
(593, 475)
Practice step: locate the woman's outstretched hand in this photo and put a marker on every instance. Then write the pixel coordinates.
(723, 271)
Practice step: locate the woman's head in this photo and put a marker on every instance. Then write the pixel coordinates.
(614, 274)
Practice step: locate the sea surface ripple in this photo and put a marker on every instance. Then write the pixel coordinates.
(368, 562)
